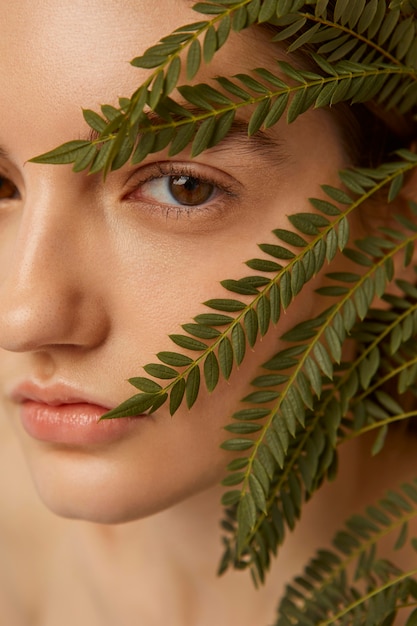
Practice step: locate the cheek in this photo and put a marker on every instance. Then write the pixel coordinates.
(170, 460)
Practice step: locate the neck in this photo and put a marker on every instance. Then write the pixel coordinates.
(168, 562)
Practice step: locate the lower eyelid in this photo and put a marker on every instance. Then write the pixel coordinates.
(221, 209)
(219, 190)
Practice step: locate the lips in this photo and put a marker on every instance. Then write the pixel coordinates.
(60, 415)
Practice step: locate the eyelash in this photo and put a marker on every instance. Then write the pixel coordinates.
(159, 171)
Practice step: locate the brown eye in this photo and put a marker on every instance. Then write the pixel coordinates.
(190, 191)
(8, 190)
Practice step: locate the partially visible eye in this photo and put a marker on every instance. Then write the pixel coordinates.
(8, 191)
(181, 190)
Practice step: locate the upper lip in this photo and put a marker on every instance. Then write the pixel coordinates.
(53, 395)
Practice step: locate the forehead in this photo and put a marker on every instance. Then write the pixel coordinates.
(58, 56)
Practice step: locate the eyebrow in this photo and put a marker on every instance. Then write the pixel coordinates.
(262, 143)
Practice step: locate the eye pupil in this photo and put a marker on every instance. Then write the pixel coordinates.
(7, 189)
(189, 190)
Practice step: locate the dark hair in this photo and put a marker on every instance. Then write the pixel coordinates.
(370, 133)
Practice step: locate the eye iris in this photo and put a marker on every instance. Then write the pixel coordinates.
(189, 190)
(7, 189)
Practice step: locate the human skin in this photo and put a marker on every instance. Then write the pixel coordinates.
(94, 275)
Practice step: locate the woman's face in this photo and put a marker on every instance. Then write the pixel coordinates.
(94, 275)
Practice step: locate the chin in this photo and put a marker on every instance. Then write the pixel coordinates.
(106, 493)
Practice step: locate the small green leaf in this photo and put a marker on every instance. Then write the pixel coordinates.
(239, 287)
(203, 136)
(337, 194)
(313, 374)
(264, 314)
(239, 18)
(263, 265)
(402, 537)
(260, 397)
(290, 237)
(134, 406)
(192, 386)
(237, 444)
(225, 357)
(157, 89)
(225, 305)
(276, 251)
(343, 233)
(66, 153)
(214, 319)
(183, 137)
(145, 384)
(243, 428)
(176, 396)
(210, 44)
(172, 75)
(84, 159)
(201, 331)
(323, 360)
(160, 371)
(275, 447)
(275, 301)
(380, 440)
(144, 147)
(94, 120)
(285, 290)
(277, 110)
(251, 326)
(267, 11)
(193, 59)
(298, 278)
(395, 187)
(175, 359)
(223, 31)
(233, 479)
(257, 493)
(239, 343)
(211, 371)
(334, 343)
(223, 125)
(254, 413)
(258, 117)
(188, 342)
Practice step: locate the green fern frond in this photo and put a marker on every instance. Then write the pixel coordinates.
(223, 348)
(388, 74)
(375, 588)
(303, 371)
(306, 401)
(205, 129)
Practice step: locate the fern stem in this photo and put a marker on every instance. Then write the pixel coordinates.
(291, 381)
(379, 424)
(355, 554)
(344, 29)
(368, 596)
(251, 101)
(265, 291)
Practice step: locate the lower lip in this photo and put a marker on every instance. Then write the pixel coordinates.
(73, 424)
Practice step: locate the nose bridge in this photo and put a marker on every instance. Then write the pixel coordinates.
(45, 235)
(43, 300)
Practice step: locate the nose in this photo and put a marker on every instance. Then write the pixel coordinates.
(49, 290)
